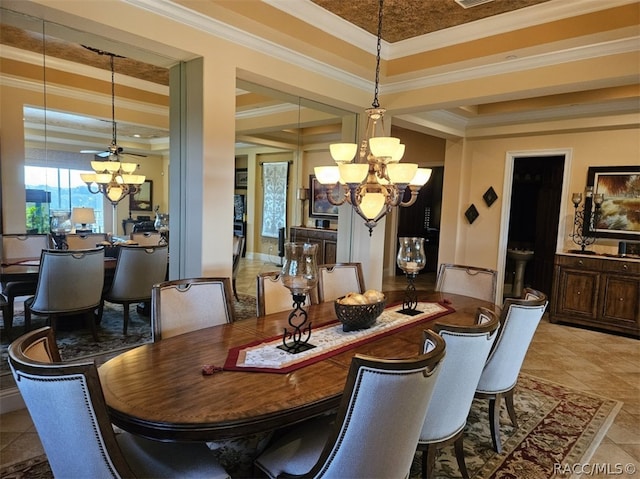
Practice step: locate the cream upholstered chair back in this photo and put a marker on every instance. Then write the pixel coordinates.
(377, 425)
(467, 351)
(138, 268)
(84, 240)
(336, 280)
(67, 406)
(69, 281)
(16, 247)
(519, 321)
(471, 281)
(184, 305)
(272, 296)
(146, 238)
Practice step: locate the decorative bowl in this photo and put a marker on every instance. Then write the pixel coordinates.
(358, 316)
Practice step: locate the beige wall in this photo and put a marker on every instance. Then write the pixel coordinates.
(472, 166)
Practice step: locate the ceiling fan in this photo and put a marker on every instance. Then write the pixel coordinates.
(114, 150)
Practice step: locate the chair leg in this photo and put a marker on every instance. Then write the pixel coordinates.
(428, 460)
(508, 399)
(459, 449)
(89, 318)
(126, 318)
(27, 314)
(7, 315)
(233, 285)
(100, 311)
(494, 421)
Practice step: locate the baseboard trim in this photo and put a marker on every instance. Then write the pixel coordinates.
(10, 400)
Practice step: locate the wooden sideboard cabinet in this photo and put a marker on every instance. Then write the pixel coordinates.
(327, 241)
(598, 291)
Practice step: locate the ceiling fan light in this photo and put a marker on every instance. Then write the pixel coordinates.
(115, 193)
(112, 166)
(353, 173)
(88, 178)
(99, 166)
(133, 179)
(421, 177)
(327, 175)
(343, 152)
(104, 178)
(384, 146)
(401, 172)
(128, 167)
(372, 204)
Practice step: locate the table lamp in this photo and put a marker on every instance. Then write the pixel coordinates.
(84, 217)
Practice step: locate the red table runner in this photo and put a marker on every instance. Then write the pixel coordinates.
(330, 339)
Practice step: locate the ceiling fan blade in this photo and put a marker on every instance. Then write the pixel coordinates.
(93, 152)
(134, 154)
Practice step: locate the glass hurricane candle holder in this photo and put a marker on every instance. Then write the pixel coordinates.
(299, 275)
(161, 224)
(411, 259)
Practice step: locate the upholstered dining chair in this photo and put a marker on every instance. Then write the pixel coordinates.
(336, 280)
(69, 283)
(471, 281)
(138, 268)
(238, 247)
(146, 238)
(519, 320)
(376, 428)
(67, 406)
(272, 296)
(17, 247)
(467, 351)
(84, 240)
(184, 305)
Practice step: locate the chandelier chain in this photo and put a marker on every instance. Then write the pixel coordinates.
(113, 102)
(376, 103)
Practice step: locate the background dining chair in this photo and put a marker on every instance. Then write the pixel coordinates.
(518, 322)
(138, 268)
(184, 305)
(67, 406)
(467, 351)
(471, 281)
(336, 280)
(272, 296)
(376, 428)
(238, 247)
(84, 240)
(146, 238)
(16, 248)
(69, 283)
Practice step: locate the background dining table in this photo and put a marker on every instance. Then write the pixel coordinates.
(158, 390)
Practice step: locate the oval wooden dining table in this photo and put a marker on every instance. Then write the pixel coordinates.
(158, 390)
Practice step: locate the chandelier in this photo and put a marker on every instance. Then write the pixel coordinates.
(112, 177)
(377, 181)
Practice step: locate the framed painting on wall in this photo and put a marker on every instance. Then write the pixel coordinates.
(620, 211)
(319, 206)
(242, 176)
(143, 199)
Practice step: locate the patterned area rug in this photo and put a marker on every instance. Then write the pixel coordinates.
(557, 426)
(75, 340)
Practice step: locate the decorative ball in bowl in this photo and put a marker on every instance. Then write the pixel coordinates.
(359, 311)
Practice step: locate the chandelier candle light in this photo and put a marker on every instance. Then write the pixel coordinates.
(300, 275)
(376, 183)
(411, 259)
(583, 233)
(113, 178)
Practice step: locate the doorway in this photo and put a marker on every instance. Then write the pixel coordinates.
(422, 219)
(536, 194)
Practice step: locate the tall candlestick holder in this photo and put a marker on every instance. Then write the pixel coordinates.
(300, 275)
(411, 259)
(585, 218)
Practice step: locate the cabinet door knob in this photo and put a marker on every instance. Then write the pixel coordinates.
(580, 262)
(625, 266)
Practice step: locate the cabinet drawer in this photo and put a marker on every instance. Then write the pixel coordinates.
(624, 267)
(581, 262)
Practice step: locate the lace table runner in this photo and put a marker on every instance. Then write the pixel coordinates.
(329, 340)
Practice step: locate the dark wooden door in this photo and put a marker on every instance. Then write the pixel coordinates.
(422, 219)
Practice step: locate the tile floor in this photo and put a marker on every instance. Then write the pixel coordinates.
(599, 363)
